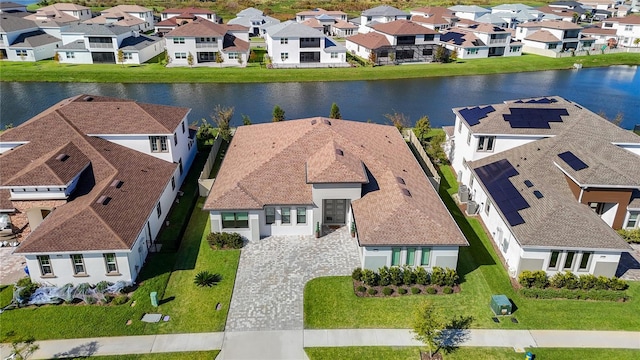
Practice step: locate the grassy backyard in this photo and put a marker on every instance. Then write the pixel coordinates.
(331, 303)
(476, 353)
(50, 71)
(168, 272)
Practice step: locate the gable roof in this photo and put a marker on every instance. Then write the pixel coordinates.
(542, 36)
(469, 9)
(384, 10)
(552, 24)
(461, 37)
(202, 27)
(403, 27)
(63, 7)
(81, 224)
(398, 203)
(320, 11)
(10, 23)
(371, 40)
(292, 29)
(97, 29)
(34, 39)
(126, 9)
(629, 19)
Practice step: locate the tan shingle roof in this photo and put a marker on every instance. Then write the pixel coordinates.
(551, 24)
(267, 164)
(320, 11)
(202, 27)
(403, 27)
(126, 9)
(187, 10)
(332, 164)
(542, 36)
(629, 19)
(370, 40)
(341, 24)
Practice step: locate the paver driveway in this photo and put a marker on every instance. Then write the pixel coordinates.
(273, 271)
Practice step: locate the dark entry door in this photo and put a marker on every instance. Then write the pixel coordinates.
(335, 211)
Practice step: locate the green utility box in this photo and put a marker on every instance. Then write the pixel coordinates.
(500, 305)
(154, 299)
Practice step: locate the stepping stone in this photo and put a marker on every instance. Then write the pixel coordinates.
(218, 307)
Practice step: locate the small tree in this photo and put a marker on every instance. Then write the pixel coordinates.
(422, 128)
(240, 59)
(335, 112)
(246, 120)
(205, 132)
(636, 42)
(190, 59)
(219, 58)
(278, 114)
(373, 57)
(121, 57)
(427, 324)
(56, 57)
(453, 56)
(222, 117)
(442, 54)
(399, 120)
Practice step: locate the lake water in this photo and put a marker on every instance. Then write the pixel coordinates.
(610, 90)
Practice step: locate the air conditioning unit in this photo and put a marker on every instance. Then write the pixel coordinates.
(463, 193)
(472, 208)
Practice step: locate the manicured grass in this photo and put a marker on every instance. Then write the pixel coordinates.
(6, 295)
(330, 302)
(194, 355)
(49, 70)
(464, 353)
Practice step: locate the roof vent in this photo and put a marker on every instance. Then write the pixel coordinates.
(88, 98)
(400, 180)
(538, 194)
(339, 152)
(62, 157)
(326, 121)
(528, 183)
(406, 192)
(104, 200)
(116, 183)
(313, 122)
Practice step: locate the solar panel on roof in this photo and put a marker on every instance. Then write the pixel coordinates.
(534, 118)
(573, 161)
(507, 198)
(528, 183)
(473, 115)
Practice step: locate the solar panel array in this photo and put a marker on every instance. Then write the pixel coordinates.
(573, 161)
(474, 114)
(458, 38)
(507, 198)
(534, 118)
(543, 100)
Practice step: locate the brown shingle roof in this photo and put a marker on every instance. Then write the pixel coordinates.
(81, 224)
(202, 27)
(341, 24)
(542, 36)
(320, 11)
(403, 27)
(370, 40)
(629, 19)
(398, 206)
(332, 164)
(188, 10)
(551, 24)
(599, 31)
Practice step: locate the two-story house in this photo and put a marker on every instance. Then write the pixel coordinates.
(297, 177)
(434, 18)
(514, 14)
(548, 38)
(398, 41)
(134, 17)
(208, 43)
(62, 12)
(469, 12)
(550, 180)
(90, 182)
(627, 29)
(22, 40)
(291, 44)
(329, 22)
(377, 15)
(497, 39)
(174, 17)
(255, 20)
(95, 43)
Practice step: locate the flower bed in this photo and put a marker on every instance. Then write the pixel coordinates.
(566, 285)
(397, 281)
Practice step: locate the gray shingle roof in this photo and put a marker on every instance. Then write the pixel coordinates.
(34, 39)
(9, 23)
(97, 29)
(384, 10)
(76, 45)
(138, 42)
(292, 29)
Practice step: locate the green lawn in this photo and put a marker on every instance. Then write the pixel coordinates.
(194, 355)
(464, 353)
(330, 302)
(49, 70)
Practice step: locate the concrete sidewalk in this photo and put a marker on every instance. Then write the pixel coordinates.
(289, 344)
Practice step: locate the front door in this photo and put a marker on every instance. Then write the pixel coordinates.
(335, 211)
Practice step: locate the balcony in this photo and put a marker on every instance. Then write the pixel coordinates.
(497, 41)
(100, 45)
(206, 45)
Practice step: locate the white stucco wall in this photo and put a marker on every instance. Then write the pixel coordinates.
(333, 191)
(359, 50)
(79, 57)
(386, 252)
(258, 228)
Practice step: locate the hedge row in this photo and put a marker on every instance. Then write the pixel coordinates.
(567, 280)
(406, 276)
(388, 291)
(223, 240)
(610, 295)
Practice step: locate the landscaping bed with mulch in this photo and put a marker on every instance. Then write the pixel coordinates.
(403, 290)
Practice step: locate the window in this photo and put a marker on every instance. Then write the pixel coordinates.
(598, 208)
(284, 41)
(183, 127)
(285, 215)
(21, 52)
(383, 53)
(427, 52)
(424, 259)
(235, 220)
(301, 215)
(628, 27)
(395, 256)
(568, 261)
(552, 46)
(180, 55)
(270, 215)
(45, 265)
(178, 40)
(175, 139)
(233, 55)
(632, 222)
(334, 55)
(584, 261)
(159, 209)
(173, 183)
(487, 207)
(284, 56)
(78, 264)
(158, 143)
(429, 37)
(553, 262)
(209, 16)
(513, 49)
(485, 143)
(128, 56)
(411, 256)
(460, 126)
(469, 138)
(180, 165)
(472, 51)
(70, 55)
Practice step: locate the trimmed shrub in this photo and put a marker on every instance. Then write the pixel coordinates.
(588, 281)
(564, 280)
(617, 284)
(450, 277)
(205, 278)
(23, 282)
(120, 299)
(408, 277)
(108, 298)
(387, 291)
(385, 276)
(25, 293)
(422, 276)
(370, 278)
(438, 276)
(415, 290)
(361, 289)
(602, 283)
(447, 290)
(225, 240)
(601, 295)
(357, 274)
(90, 300)
(395, 274)
(372, 291)
(402, 291)
(431, 290)
(537, 279)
